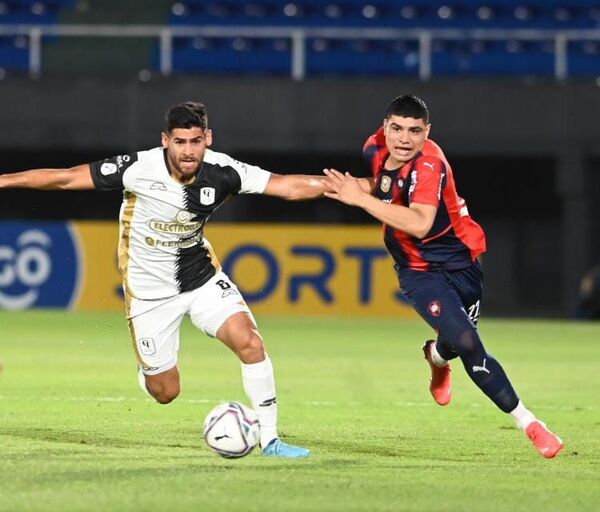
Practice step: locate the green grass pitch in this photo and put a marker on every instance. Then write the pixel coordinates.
(77, 434)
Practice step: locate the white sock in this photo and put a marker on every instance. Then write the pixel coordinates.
(142, 382)
(438, 360)
(259, 385)
(522, 416)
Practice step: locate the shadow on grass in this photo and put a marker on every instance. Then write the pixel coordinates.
(88, 438)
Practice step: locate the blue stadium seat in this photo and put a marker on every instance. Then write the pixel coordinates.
(14, 53)
(362, 57)
(331, 56)
(231, 55)
(389, 13)
(32, 11)
(493, 58)
(584, 58)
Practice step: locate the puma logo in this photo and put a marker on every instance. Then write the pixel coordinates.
(481, 368)
(431, 166)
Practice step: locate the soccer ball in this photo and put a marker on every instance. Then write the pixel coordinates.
(231, 430)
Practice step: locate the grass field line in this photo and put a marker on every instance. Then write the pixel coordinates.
(313, 403)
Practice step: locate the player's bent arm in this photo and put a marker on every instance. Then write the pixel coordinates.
(367, 185)
(294, 187)
(74, 178)
(416, 220)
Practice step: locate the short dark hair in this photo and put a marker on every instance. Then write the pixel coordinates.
(186, 115)
(408, 105)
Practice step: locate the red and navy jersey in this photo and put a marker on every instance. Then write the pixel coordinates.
(455, 239)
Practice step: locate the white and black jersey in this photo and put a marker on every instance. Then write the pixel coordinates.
(162, 250)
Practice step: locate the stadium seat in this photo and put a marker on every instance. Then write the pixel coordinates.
(386, 13)
(14, 54)
(14, 51)
(325, 56)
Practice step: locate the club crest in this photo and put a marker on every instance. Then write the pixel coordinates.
(386, 184)
(207, 196)
(434, 308)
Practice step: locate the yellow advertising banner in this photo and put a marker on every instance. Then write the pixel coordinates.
(101, 288)
(279, 268)
(309, 269)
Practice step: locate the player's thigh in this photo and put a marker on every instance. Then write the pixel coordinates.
(468, 284)
(154, 328)
(436, 301)
(215, 302)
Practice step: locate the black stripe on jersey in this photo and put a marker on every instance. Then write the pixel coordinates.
(194, 266)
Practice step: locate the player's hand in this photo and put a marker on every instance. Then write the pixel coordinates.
(343, 187)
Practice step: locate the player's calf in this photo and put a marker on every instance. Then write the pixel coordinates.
(164, 387)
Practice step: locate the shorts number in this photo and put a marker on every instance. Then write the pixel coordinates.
(474, 312)
(224, 285)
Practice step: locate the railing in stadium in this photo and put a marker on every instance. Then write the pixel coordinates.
(298, 37)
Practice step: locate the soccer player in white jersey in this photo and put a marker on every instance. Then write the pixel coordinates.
(169, 269)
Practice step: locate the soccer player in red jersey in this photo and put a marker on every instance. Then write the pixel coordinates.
(435, 245)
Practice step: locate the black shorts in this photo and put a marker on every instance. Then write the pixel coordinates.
(448, 300)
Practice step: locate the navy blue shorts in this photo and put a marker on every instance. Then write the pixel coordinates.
(448, 300)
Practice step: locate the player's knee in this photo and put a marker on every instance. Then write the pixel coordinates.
(469, 344)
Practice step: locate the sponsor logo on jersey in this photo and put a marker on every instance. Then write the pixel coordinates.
(174, 227)
(183, 216)
(174, 244)
(207, 196)
(107, 168)
(39, 265)
(400, 183)
(386, 184)
(123, 161)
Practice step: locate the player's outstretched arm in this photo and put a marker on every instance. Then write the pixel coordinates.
(74, 178)
(294, 187)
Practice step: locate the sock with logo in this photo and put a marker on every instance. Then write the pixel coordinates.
(259, 385)
(485, 371)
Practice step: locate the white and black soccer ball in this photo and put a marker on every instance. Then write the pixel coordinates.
(231, 430)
